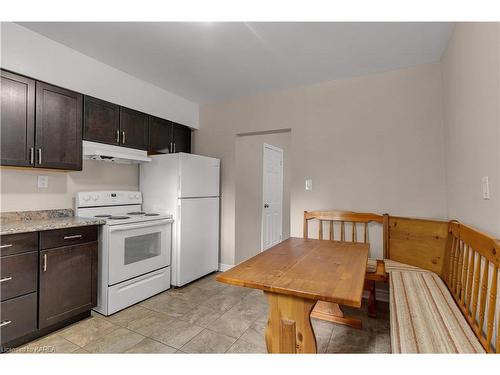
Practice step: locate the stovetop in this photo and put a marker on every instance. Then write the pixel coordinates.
(116, 208)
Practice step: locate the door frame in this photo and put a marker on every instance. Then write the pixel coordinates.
(274, 148)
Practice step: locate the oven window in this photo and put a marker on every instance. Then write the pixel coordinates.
(142, 247)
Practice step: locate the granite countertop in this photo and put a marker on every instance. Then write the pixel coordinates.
(34, 221)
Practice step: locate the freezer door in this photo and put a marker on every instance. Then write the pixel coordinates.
(197, 248)
(199, 176)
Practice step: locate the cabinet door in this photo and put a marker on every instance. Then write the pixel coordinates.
(68, 281)
(17, 108)
(160, 136)
(134, 129)
(182, 138)
(101, 121)
(58, 139)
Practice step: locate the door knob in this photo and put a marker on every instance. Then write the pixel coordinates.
(266, 206)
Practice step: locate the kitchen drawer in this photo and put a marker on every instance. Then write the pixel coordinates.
(11, 244)
(67, 236)
(18, 275)
(17, 317)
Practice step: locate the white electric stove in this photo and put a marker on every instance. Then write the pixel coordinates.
(134, 248)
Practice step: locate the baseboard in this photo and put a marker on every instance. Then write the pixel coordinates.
(224, 267)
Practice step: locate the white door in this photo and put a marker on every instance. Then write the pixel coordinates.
(197, 252)
(199, 176)
(272, 194)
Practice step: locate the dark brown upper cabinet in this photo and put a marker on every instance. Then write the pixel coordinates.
(181, 138)
(160, 136)
(101, 121)
(133, 129)
(168, 137)
(58, 128)
(17, 108)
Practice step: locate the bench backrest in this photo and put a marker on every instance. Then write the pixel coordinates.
(471, 273)
(354, 221)
(418, 242)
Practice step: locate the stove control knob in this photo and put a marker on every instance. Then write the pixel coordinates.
(131, 196)
(137, 196)
(86, 198)
(95, 197)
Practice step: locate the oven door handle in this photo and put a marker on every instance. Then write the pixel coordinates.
(149, 224)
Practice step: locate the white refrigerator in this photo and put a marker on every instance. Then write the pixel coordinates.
(186, 186)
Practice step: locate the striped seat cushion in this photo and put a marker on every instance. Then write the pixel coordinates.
(371, 265)
(392, 265)
(425, 318)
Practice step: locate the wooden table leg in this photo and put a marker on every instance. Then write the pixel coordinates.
(332, 312)
(289, 328)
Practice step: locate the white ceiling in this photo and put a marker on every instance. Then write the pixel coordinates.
(205, 62)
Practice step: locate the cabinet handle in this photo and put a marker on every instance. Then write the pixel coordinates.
(32, 155)
(123, 138)
(5, 323)
(72, 237)
(174, 146)
(44, 262)
(4, 246)
(171, 147)
(5, 279)
(118, 136)
(39, 156)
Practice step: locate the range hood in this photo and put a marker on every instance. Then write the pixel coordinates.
(114, 154)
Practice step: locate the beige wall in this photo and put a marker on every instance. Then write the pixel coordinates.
(368, 143)
(471, 101)
(249, 171)
(19, 191)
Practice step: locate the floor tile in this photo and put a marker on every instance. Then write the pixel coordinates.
(151, 346)
(201, 315)
(149, 324)
(209, 283)
(232, 323)
(209, 342)
(125, 317)
(221, 302)
(192, 294)
(49, 344)
(323, 332)
(177, 333)
(383, 343)
(244, 347)
(80, 351)
(351, 340)
(168, 304)
(87, 330)
(255, 334)
(117, 341)
(237, 291)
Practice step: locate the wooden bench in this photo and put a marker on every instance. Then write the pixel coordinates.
(443, 287)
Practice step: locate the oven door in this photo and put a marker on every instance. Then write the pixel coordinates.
(136, 249)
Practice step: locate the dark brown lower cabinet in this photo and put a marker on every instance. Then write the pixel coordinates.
(68, 281)
(17, 317)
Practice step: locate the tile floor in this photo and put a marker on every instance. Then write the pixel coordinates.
(203, 317)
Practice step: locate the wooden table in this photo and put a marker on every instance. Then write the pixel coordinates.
(294, 275)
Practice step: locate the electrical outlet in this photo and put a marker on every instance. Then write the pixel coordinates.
(43, 182)
(486, 187)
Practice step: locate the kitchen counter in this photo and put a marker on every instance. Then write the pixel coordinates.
(34, 221)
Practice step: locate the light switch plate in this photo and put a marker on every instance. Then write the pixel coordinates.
(486, 187)
(309, 184)
(43, 182)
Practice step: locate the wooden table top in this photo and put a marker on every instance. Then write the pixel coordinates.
(330, 271)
